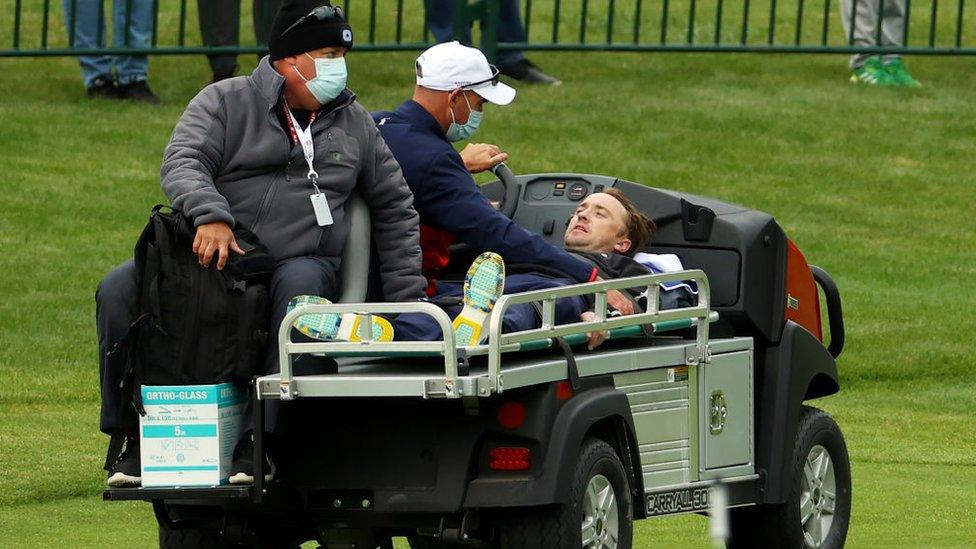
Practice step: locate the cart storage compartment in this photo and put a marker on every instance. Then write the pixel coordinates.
(725, 418)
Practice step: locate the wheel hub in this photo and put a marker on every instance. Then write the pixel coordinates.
(817, 497)
(600, 528)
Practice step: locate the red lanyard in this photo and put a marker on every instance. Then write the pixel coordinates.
(291, 126)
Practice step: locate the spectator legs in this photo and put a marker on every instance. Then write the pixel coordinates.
(132, 68)
(264, 12)
(866, 21)
(510, 29)
(893, 26)
(88, 17)
(220, 26)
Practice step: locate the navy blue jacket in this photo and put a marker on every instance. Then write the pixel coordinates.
(450, 204)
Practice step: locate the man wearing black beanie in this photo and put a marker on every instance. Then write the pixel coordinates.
(278, 152)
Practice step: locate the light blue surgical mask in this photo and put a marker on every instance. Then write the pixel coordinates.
(330, 78)
(460, 132)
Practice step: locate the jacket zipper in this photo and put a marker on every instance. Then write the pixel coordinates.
(265, 204)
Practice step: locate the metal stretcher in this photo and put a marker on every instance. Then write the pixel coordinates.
(407, 368)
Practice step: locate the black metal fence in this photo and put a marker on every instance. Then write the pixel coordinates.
(42, 28)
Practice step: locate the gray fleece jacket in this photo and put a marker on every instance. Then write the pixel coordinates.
(231, 160)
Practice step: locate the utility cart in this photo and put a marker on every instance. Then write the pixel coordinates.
(531, 441)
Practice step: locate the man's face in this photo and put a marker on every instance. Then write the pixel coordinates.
(462, 102)
(297, 69)
(599, 225)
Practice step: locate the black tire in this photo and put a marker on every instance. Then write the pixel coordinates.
(780, 525)
(208, 538)
(425, 542)
(559, 526)
(190, 538)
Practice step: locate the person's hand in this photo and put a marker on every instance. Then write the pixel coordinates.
(214, 238)
(479, 157)
(617, 300)
(593, 339)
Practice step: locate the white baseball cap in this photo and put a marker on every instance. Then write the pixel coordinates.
(449, 66)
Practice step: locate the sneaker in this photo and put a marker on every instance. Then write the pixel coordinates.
(338, 327)
(139, 92)
(102, 88)
(872, 72)
(528, 72)
(898, 73)
(483, 285)
(242, 468)
(127, 471)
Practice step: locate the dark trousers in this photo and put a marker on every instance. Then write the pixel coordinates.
(440, 21)
(116, 307)
(420, 327)
(220, 26)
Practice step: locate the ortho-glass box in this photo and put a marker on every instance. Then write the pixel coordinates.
(189, 433)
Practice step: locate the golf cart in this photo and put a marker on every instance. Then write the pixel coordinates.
(529, 440)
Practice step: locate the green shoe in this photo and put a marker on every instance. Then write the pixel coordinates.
(335, 326)
(898, 73)
(873, 73)
(483, 285)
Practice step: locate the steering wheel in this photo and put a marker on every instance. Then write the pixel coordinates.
(509, 200)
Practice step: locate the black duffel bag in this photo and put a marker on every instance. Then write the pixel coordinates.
(196, 325)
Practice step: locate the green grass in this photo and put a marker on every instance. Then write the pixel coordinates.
(874, 185)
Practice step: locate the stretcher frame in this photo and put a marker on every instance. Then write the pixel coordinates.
(481, 382)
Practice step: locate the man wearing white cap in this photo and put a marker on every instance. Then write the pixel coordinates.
(453, 84)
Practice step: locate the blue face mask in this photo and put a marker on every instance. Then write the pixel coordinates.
(330, 78)
(460, 132)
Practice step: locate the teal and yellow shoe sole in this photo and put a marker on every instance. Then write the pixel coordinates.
(335, 326)
(483, 285)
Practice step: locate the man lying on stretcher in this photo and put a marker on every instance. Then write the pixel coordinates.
(605, 231)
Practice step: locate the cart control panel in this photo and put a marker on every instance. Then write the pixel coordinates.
(548, 202)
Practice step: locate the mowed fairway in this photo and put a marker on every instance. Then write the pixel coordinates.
(874, 185)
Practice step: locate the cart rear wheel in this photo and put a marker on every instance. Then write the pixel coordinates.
(598, 515)
(191, 538)
(817, 510)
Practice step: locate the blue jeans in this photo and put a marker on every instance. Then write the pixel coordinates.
(440, 20)
(420, 327)
(90, 32)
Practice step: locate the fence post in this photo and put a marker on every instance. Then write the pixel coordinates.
(17, 7)
(489, 29)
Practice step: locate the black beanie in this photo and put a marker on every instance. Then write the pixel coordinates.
(311, 34)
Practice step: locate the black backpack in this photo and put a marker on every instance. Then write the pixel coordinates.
(196, 325)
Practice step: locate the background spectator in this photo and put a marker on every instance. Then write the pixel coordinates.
(112, 76)
(886, 70)
(220, 26)
(440, 20)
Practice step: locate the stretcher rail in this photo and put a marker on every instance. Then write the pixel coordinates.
(451, 385)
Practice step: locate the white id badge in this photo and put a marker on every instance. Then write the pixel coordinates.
(323, 215)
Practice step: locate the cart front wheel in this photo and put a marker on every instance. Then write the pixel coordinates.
(817, 510)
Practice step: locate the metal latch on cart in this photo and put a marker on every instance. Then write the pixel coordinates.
(718, 411)
(698, 355)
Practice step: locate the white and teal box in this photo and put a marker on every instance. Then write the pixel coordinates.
(189, 432)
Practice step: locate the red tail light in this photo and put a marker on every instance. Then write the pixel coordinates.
(511, 415)
(509, 458)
